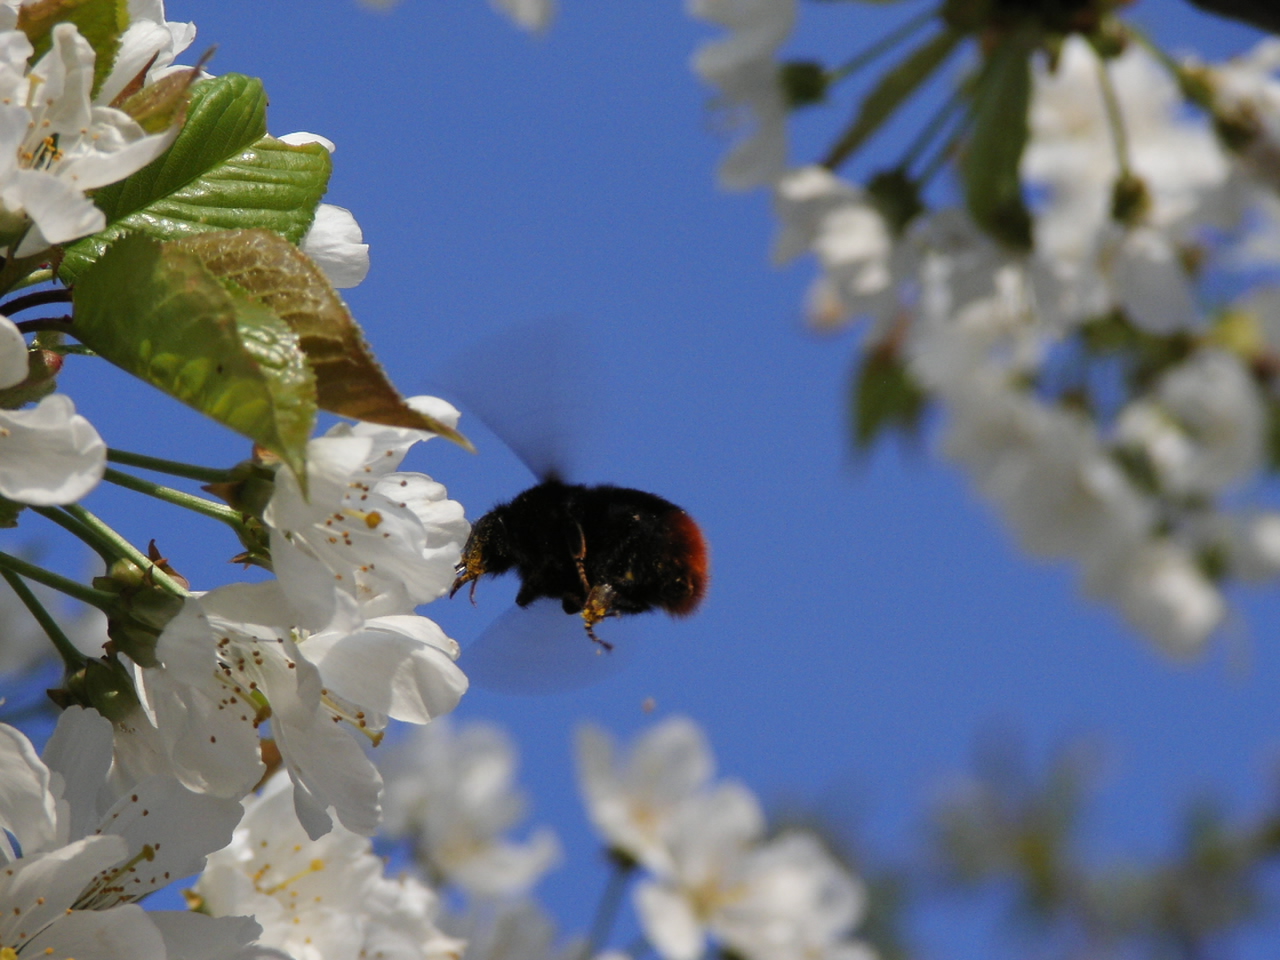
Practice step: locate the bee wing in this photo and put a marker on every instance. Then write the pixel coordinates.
(540, 649)
(530, 387)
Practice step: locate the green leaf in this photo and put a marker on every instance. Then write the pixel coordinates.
(891, 90)
(273, 272)
(221, 173)
(155, 311)
(989, 166)
(884, 397)
(101, 22)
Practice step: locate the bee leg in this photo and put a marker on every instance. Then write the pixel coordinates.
(605, 644)
(579, 556)
(464, 576)
(598, 606)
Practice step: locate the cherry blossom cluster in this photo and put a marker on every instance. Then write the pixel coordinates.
(330, 650)
(1093, 381)
(712, 872)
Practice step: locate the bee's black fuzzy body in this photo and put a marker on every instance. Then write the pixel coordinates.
(602, 551)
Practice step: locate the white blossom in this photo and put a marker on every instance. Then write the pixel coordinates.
(55, 144)
(322, 899)
(84, 855)
(742, 66)
(632, 801)
(150, 42)
(1246, 93)
(785, 899)
(49, 454)
(231, 653)
(1161, 590)
(862, 267)
(510, 930)
(335, 241)
(534, 15)
(454, 795)
(389, 539)
(1071, 149)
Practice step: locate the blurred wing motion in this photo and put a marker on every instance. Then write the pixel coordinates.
(532, 387)
(537, 650)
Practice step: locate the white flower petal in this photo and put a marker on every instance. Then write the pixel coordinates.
(668, 922)
(27, 808)
(49, 455)
(336, 243)
(194, 936)
(13, 354)
(121, 933)
(402, 666)
(80, 751)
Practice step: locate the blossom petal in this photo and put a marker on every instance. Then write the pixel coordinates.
(336, 243)
(13, 354)
(668, 922)
(122, 933)
(80, 751)
(28, 810)
(402, 666)
(49, 455)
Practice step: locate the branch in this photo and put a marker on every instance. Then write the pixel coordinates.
(1263, 14)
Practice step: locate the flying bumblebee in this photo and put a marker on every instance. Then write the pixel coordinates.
(602, 551)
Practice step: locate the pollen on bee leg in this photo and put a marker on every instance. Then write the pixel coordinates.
(599, 605)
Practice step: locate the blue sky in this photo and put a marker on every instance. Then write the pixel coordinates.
(867, 621)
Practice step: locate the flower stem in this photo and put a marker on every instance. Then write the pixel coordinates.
(610, 902)
(171, 467)
(72, 657)
(58, 324)
(97, 598)
(881, 46)
(1115, 118)
(935, 126)
(181, 498)
(938, 160)
(101, 546)
(126, 549)
(38, 299)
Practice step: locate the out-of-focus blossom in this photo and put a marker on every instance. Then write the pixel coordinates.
(633, 800)
(1246, 97)
(534, 15)
(712, 875)
(454, 795)
(785, 899)
(743, 68)
(1072, 150)
(509, 930)
(862, 266)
